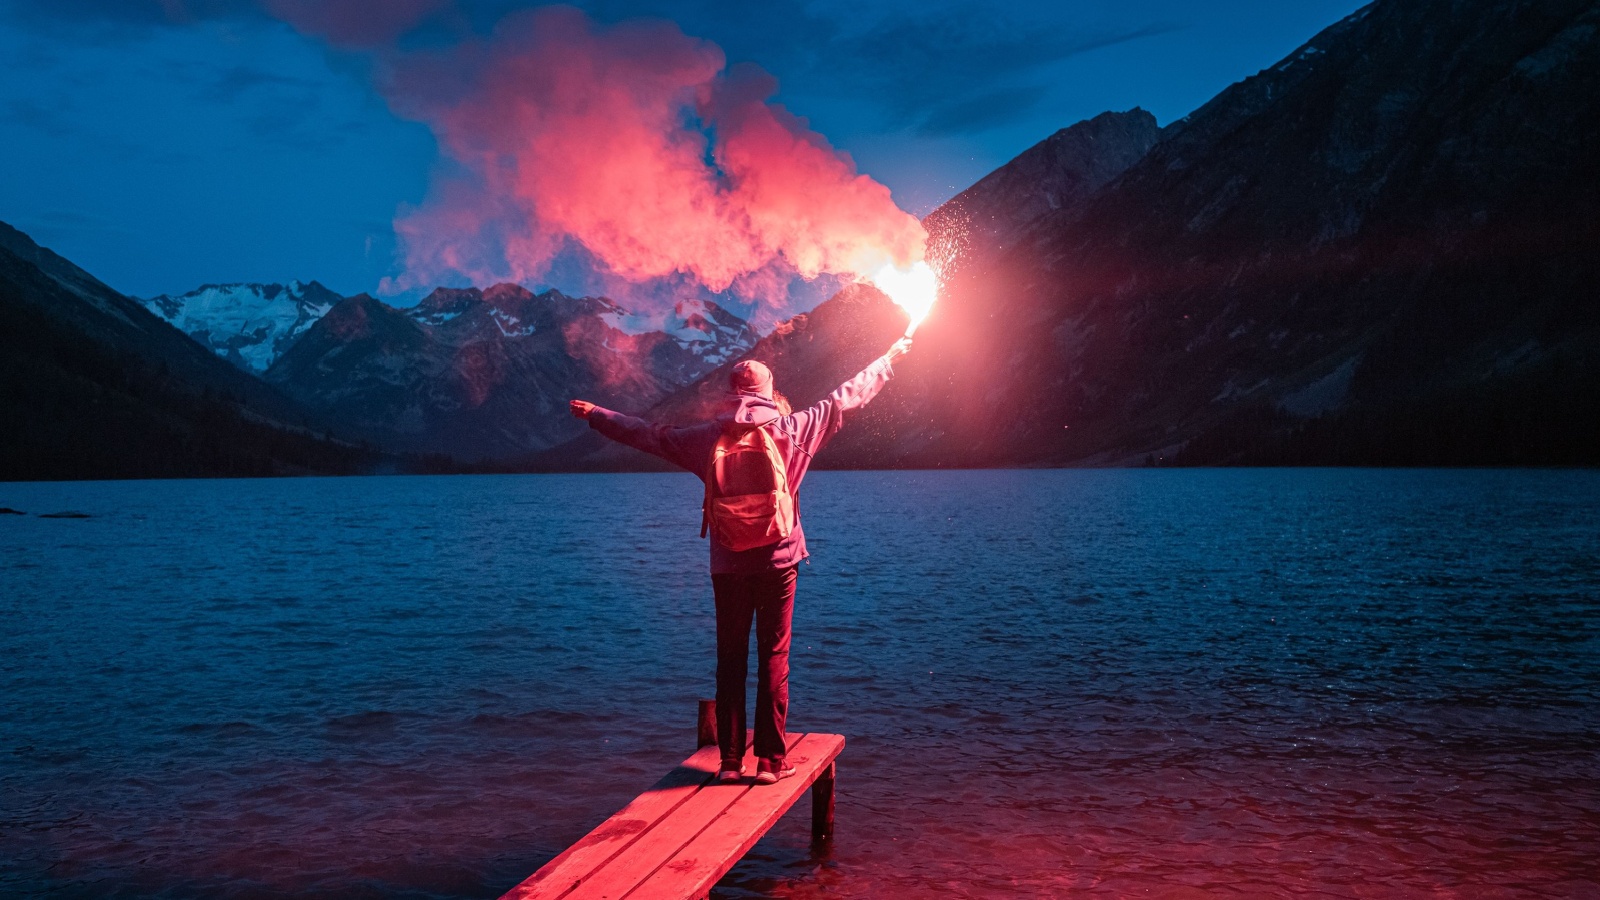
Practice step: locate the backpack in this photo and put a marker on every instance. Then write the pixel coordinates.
(748, 502)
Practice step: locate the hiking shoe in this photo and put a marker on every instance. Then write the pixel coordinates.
(768, 771)
(730, 771)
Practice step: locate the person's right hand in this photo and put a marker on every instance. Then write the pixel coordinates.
(581, 408)
(900, 348)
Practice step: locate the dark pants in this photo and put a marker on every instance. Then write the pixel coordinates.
(768, 599)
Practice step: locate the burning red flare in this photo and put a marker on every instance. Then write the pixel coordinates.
(913, 289)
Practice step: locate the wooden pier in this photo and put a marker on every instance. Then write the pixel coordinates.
(677, 839)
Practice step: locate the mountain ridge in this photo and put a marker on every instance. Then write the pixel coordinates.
(1375, 251)
(478, 373)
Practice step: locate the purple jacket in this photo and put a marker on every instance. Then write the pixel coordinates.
(799, 436)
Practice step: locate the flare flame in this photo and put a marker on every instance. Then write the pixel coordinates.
(913, 289)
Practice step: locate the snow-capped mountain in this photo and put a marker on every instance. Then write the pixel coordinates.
(488, 373)
(250, 325)
(709, 332)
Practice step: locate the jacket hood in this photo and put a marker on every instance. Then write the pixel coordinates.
(748, 409)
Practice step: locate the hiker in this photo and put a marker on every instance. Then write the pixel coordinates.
(752, 458)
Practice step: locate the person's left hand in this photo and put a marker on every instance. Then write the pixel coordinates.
(581, 408)
(900, 348)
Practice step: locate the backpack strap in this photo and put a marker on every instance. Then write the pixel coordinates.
(781, 482)
(776, 458)
(717, 452)
(705, 510)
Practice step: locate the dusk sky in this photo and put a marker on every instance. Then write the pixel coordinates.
(163, 145)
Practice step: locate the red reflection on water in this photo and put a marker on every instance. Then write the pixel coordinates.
(1296, 820)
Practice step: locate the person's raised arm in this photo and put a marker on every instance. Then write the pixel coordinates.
(816, 424)
(669, 443)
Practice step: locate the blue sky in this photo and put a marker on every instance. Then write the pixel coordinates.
(163, 145)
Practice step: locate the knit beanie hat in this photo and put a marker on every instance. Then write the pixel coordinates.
(752, 377)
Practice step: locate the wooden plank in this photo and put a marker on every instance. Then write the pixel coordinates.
(720, 845)
(616, 834)
(662, 843)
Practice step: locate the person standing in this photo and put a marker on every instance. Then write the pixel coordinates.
(752, 578)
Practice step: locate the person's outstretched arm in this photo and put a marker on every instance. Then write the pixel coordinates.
(675, 445)
(815, 425)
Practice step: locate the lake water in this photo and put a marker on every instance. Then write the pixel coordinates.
(1157, 683)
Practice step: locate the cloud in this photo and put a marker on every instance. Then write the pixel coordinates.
(44, 119)
(56, 119)
(110, 22)
(70, 218)
(981, 112)
(355, 23)
(54, 224)
(343, 23)
(926, 67)
(936, 72)
(282, 109)
(227, 84)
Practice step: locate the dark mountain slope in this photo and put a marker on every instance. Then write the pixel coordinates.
(1054, 175)
(1379, 251)
(1394, 225)
(58, 268)
(94, 386)
(85, 304)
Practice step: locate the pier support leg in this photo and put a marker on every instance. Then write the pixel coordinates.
(822, 806)
(707, 726)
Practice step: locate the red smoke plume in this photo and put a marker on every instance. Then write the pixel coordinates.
(635, 142)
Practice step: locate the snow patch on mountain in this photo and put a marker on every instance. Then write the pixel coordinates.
(435, 317)
(1306, 52)
(250, 325)
(510, 325)
(699, 326)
